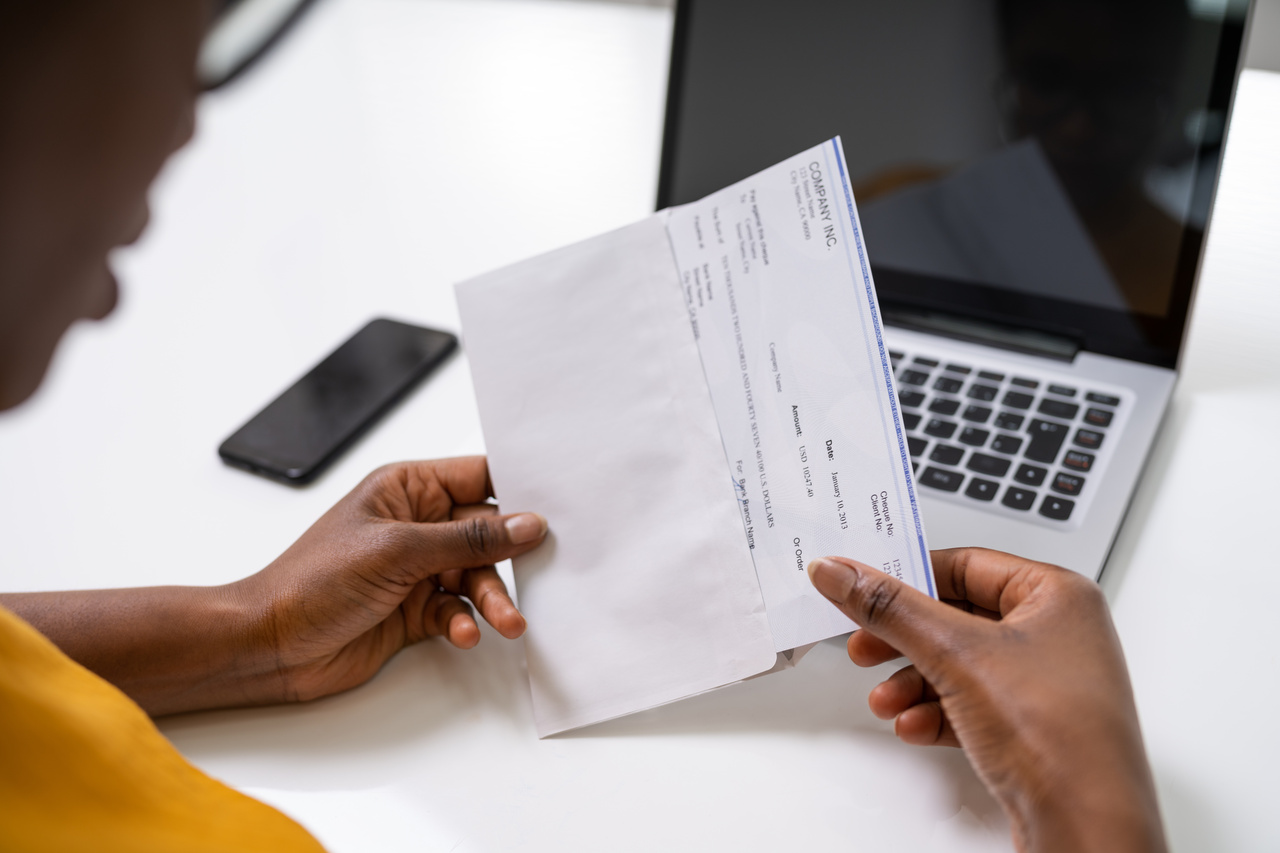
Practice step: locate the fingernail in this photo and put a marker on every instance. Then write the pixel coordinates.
(832, 578)
(525, 527)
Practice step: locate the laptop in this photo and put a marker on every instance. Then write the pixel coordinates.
(1034, 180)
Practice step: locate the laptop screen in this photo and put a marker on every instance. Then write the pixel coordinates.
(1034, 164)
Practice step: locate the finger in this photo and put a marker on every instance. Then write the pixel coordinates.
(462, 630)
(970, 607)
(446, 615)
(462, 511)
(489, 594)
(866, 649)
(431, 484)
(992, 580)
(482, 540)
(465, 478)
(925, 725)
(910, 621)
(898, 692)
(452, 581)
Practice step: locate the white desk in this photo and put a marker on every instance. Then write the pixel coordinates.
(396, 146)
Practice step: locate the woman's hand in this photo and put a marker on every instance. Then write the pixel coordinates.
(1023, 669)
(394, 562)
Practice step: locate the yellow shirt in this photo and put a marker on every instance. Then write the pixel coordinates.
(83, 768)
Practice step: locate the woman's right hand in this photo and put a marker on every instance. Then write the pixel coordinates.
(1021, 666)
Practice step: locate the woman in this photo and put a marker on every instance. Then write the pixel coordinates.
(1025, 673)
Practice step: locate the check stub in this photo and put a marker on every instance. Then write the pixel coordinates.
(779, 291)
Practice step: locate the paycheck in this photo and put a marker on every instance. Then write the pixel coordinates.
(699, 403)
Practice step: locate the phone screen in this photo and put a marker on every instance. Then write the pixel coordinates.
(308, 426)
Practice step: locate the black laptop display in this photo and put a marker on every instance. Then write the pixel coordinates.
(1042, 166)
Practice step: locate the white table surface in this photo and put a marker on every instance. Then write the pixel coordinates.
(394, 147)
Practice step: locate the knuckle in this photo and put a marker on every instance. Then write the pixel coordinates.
(1090, 595)
(478, 536)
(876, 600)
(381, 475)
(1076, 586)
(375, 484)
(960, 574)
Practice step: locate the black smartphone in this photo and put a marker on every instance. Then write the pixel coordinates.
(309, 426)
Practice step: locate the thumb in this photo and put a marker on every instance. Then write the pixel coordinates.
(905, 618)
(469, 543)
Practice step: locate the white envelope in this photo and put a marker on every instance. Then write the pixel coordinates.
(599, 412)
(596, 415)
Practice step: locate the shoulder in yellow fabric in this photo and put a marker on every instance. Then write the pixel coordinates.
(83, 768)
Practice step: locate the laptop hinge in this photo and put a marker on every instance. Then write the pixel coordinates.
(1026, 341)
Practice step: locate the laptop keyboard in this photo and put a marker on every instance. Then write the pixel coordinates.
(1019, 443)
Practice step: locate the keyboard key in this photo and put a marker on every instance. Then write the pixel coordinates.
(1030, 475)
(1078, 461)
(1098, 417)
(1102, 399)
(927, 362)
(910, 399)
(1009, 421)
(1063, 390)
(940, 428)
(1058, 409)
(977, 414)
(913, 377)
(1016, 498)
(960, 368)
(896, 356)
(1067, 484)
(916, 445)
(1025, 383)
(982, 490)
(910, 420)
(946, 455)
(1014, 400)
(1046, 440)
(989, 465)
(1059, 509)
(1090, 439)
(943, 406)
(940, 478)
(947, 385)
(985, 393)
(915, 466)
(988, 375)
(973, 436)
(1010, 444)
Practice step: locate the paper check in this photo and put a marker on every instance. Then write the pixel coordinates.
(700, 403)
(778, 288)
